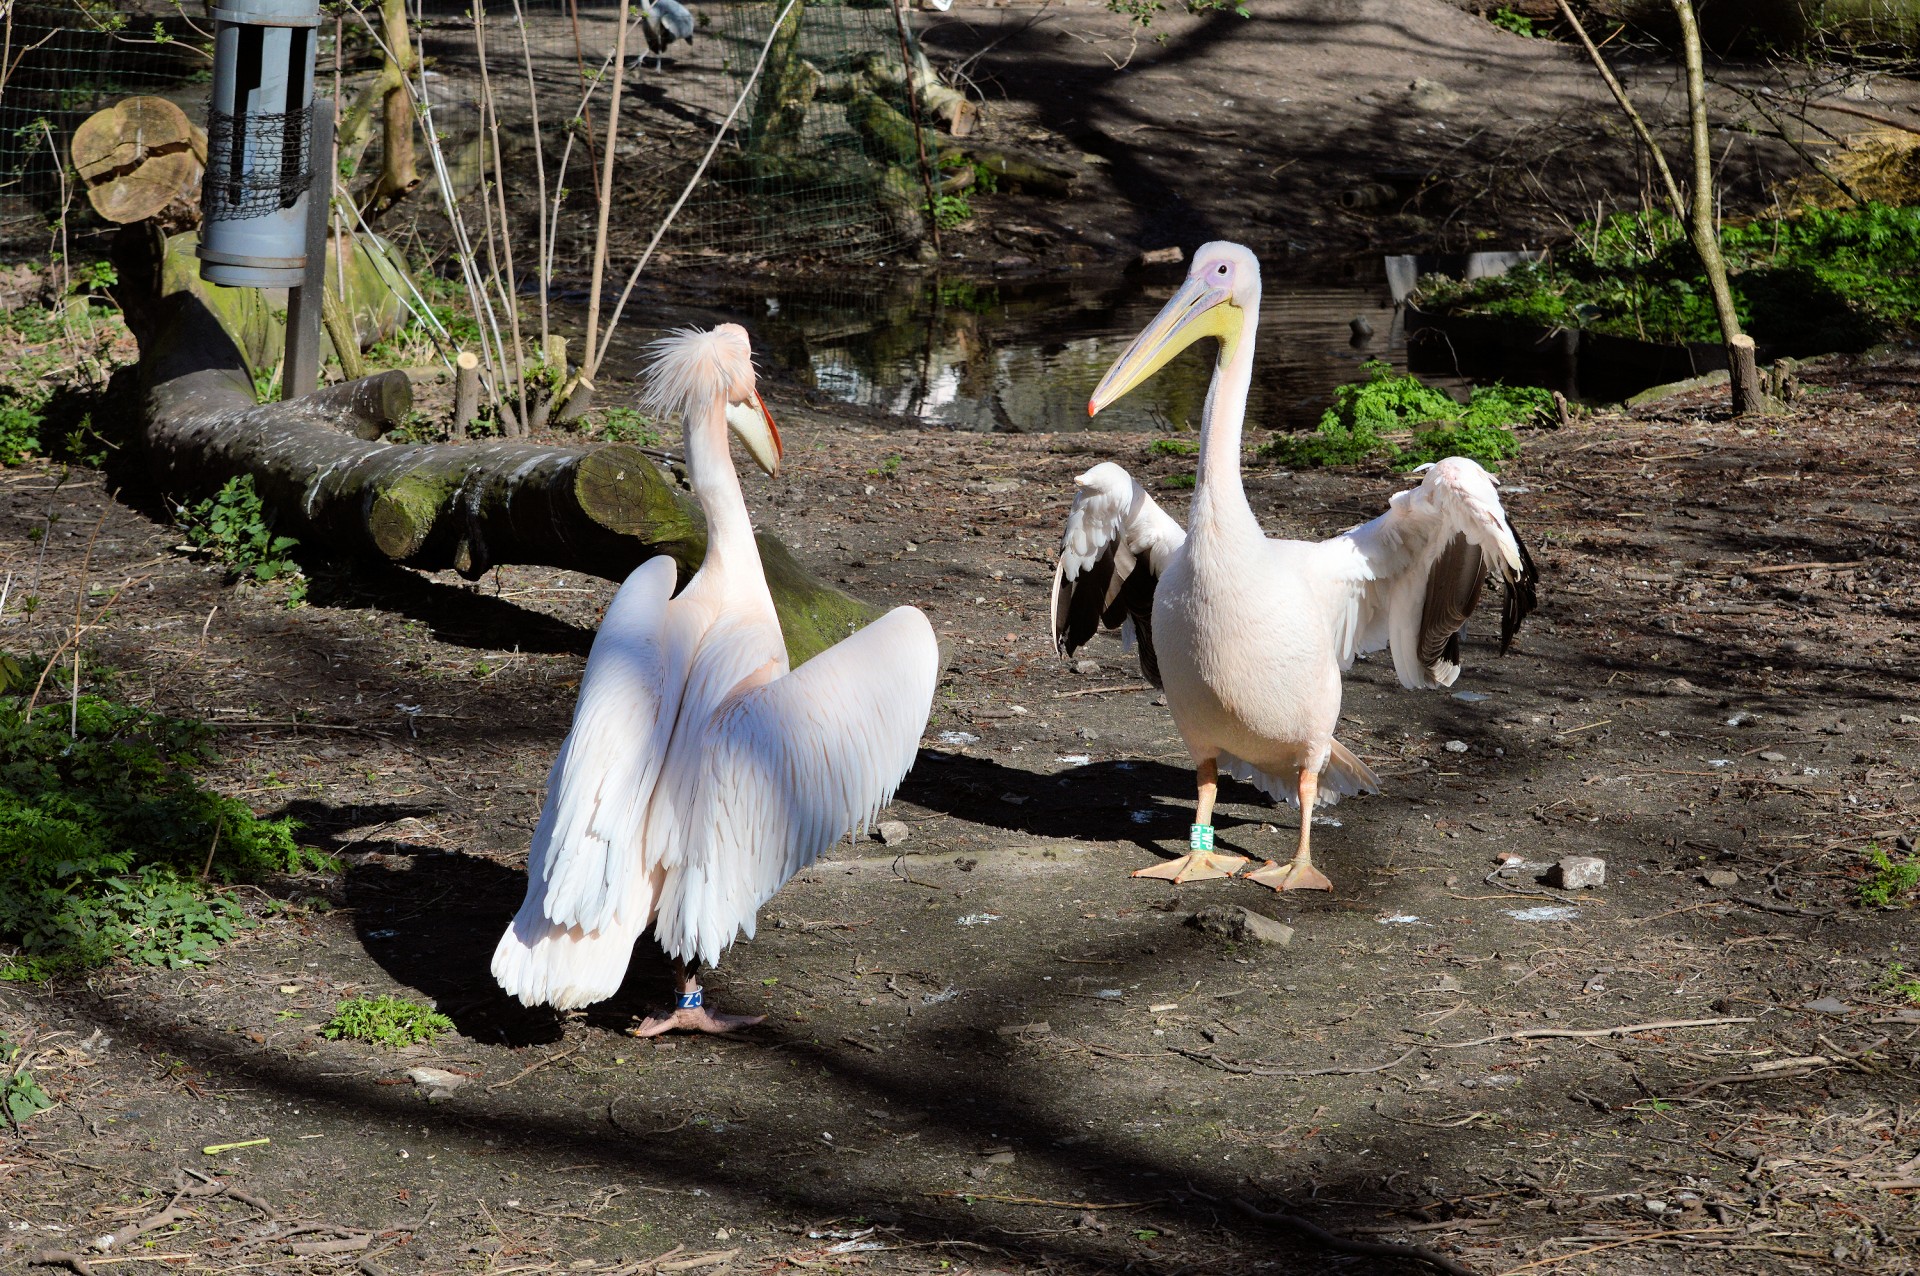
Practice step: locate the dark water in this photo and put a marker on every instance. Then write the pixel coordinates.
(1024, 356)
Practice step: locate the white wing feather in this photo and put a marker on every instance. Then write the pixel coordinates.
(1113, 512)
(1393, 554)
(588, 896)
(789, 766)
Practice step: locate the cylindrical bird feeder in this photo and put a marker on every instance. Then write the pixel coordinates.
(260, 161)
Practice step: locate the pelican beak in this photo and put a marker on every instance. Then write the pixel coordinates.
(754, 424)
(1197, 310)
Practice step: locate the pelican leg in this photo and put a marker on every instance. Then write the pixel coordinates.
(1298, 874)
(690, 1013)
(1202, 863)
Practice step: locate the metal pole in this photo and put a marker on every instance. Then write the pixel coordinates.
(301, 372)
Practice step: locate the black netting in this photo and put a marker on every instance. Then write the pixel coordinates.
(256, 164)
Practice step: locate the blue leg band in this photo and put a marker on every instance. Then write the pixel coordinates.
(688, 1000)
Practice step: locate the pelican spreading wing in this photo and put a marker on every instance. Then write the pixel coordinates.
(701, 773)
(1247, 635)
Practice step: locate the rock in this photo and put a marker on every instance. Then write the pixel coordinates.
(1827, 1006)
(1430, 95)
(1456, 746)
(437, 1082)
(1160, 701)
(1580, 872)
(1040, 1029)
(1359, 330)
(1721, 878)
(1242, 925)
(892, 832)
(1908, 719)
(1770, 755)
(1085, 667)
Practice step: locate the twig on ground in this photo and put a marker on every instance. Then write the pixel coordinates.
(1344, 1245)
(1043, 1201)
(1102, 691)
(1619, 1030)
(1264, 1069)
(534, 1067)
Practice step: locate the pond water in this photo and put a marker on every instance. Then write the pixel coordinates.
(1024, 355)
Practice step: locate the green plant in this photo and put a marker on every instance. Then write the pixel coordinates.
(1364, 413)
(624, 425)
(1172, 447)
(266, 385)
(1185, 480)
(1518, 23)
(951, 210)
(114, 850)
(1143, 12)
(20, 1095)
(1902, 983)
(234, 528)
(415, 427)
(1888, 882)
(19, 431)
(385, 1020)
(889, 468)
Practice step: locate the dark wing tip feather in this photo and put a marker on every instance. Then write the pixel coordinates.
(1085, 601)
(1521, 595)
(1453, 590)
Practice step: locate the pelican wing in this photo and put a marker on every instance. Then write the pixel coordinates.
(588, 893)
(790, 765)
(1417, 572)
(1117, 543)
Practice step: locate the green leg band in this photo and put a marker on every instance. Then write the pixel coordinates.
(1200, 837)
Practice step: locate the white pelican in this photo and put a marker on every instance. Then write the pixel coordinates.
(1248, 636)
(700, 773)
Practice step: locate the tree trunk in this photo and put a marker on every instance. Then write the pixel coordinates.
(1704, 229)
(786, 88)
(600, 510)
(397, 174)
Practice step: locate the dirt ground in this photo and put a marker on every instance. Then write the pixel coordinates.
(1719, 679)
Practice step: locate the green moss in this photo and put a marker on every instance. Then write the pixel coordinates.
(1173, 447)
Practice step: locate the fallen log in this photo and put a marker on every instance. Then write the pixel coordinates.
(469, 506)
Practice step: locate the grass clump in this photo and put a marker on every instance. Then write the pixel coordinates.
(1518, 23)
(1822, 280)
(385, 1020)
(1370, 419)
(1889, 882)
(114, 849)
(1173, 447)
(233, 526)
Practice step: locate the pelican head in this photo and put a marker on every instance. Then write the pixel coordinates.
(694, 369)
(1221, 290)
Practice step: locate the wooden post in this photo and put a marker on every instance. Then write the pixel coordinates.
(1744, 370)
(300, 373)
(466, 393)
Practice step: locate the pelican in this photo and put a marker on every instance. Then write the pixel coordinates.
(662, 22)
(1247, 635)
(701, 772)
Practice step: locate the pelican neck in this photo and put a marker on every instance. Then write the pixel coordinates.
(1219, 499)
(716, 485)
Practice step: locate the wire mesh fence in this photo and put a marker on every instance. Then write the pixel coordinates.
(794, 176)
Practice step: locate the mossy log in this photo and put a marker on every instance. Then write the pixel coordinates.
(787, 87)
(467, 506)
(1041, 177)
(886, 134)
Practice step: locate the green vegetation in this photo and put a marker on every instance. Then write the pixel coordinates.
(1173, 447)
(1143, 12)
(234, 528)
(20, 1095)
(1519, 23)
(115, 851)
(1823, 280)
(1901, 983)
(1889, 883)
(385, 1020)
(624, 425)
(1366, 415)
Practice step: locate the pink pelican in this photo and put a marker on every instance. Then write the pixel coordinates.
(701, 772)
(1248, 635)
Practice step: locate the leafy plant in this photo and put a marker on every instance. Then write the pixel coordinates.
(385, 1020)
(234, 528)
(1143, 12)
(19, 431)
(1888, 882)
(114, 850)
(20, 1095)
(1518, 23)
(1173, 447)
(624, 425)
(1364, 413)
(1822, 280)
(951, 210)
(415, 427)
(1900, 982)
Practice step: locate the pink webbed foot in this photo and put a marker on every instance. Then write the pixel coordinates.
(692, 1019)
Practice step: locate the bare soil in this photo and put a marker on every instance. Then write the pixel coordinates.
(989, 1049)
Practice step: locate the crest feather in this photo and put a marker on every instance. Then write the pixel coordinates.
(692, 369)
